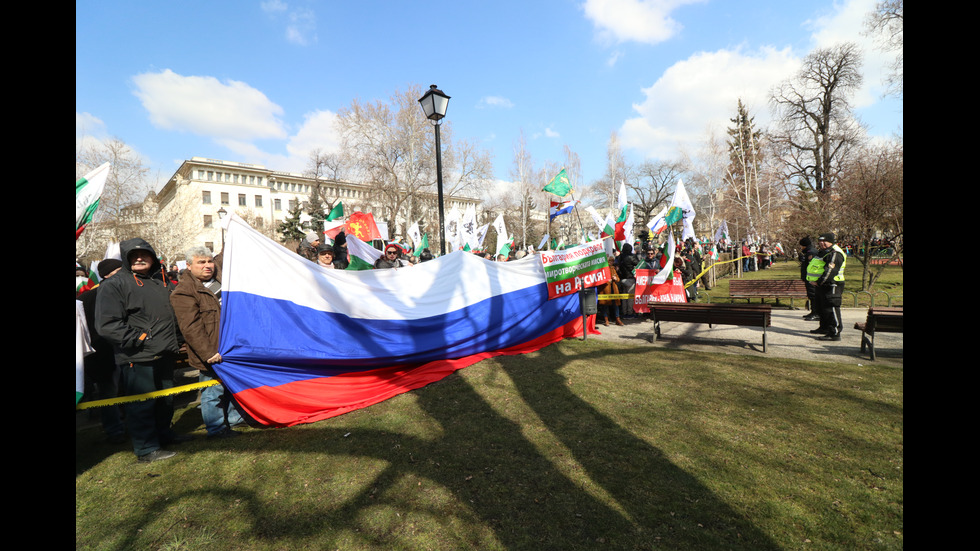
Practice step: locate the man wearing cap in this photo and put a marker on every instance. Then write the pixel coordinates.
(324, 256)
(826, 271)
(308, 246)
(133, 312)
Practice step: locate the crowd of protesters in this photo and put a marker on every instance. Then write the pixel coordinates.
(143, 315)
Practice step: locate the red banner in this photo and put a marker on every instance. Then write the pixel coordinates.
(671, 290)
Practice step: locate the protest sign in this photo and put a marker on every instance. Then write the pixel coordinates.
(570, 270)
(647, 291)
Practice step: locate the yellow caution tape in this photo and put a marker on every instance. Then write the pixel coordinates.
(146, 396)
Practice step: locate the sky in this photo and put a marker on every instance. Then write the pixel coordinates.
(262, 81)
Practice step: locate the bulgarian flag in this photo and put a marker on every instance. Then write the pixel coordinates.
(609, 227)
(619, 233)
(88, 191)
(93, 280)
(362, 256)
(336, 212)
(667, 261)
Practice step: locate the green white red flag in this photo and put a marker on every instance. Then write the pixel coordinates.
(88, 191)
(362, 256)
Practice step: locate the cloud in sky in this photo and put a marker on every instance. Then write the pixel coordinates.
(300, 22)
(645, 21)
(701, 92)
(705, 87)
(319, 130)
(494, 101)
(208, 107)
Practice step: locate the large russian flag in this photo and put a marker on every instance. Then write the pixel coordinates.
(300, 343)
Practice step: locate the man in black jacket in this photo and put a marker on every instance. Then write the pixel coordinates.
(133, 312)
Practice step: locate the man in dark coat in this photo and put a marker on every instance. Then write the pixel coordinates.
(133, 312)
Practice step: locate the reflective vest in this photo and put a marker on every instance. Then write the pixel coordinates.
(816, 266)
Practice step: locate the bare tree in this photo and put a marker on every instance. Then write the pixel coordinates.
(524, 176)
(653, 186)
(816, 128)
(120, 211)
(323, 167)
(605, 191)
(392, 146)
(706, 177)
(886, 24)
(871, 208)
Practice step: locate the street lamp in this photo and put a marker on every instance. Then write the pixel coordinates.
(221, 216)
(434, 104)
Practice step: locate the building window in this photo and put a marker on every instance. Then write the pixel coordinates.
(241, 200)
(258, 200)
(277, 204)
(208, 222)
(224, 198)
(293, 204)
(259, 222)
(209, 245)
(210, 175)
(206, 197)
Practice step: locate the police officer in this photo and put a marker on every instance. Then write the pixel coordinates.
(826, 272)
(807, 253)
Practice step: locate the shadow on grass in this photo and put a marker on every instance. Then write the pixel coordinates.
(509, 494)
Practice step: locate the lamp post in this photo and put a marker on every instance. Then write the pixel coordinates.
(434, 103)
(221, 216)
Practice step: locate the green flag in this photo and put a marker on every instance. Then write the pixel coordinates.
(337, 212)
(559, 185)
(424, 245)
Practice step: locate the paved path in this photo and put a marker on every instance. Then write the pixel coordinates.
(788, 337)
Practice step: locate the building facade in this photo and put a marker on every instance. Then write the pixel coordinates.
(201, 189)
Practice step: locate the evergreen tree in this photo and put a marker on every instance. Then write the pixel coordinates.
(290, 228)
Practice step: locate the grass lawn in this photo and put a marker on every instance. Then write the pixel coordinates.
(582, 445)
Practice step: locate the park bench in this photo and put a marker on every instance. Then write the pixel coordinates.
(752, 315)
(767, 288)
(880, 319)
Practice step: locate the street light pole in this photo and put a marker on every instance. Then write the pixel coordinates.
(221, 216)
(434, 103)
(442, 222)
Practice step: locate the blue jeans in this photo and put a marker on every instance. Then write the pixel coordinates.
(148, 421)
(217, 409)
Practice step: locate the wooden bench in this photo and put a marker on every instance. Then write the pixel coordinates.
(883, 320)
(752, 315)
(767, 288)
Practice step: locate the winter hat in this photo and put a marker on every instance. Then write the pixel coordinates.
(107, 266)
